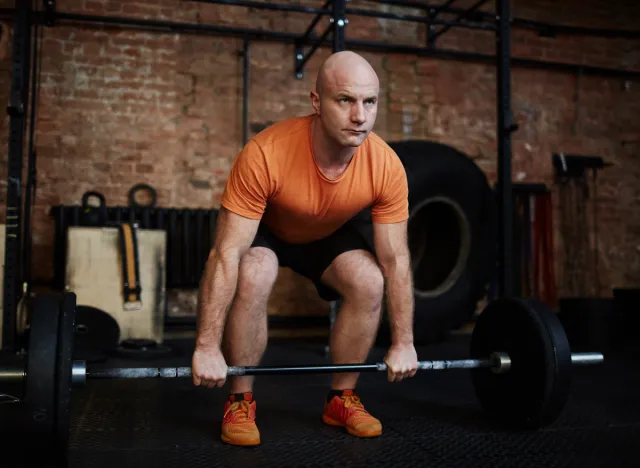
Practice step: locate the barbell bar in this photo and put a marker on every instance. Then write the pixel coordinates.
(497, 362)
(519, 360)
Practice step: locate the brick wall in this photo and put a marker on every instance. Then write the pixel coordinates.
(118, 107)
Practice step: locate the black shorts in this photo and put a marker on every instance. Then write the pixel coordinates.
(312, 259)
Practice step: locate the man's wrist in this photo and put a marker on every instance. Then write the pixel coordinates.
(207, 343)
(406, 340)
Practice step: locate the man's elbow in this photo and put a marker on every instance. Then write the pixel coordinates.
(394, 264)
(229, 255)
(221, 260)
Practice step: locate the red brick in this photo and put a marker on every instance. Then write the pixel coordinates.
(138, 10)
(128, 41)
(144, 168)
(93, 7)
(102, 167)
(88, 94)
(48, 140)
(123, 167)
(132, 52)
(113, 7)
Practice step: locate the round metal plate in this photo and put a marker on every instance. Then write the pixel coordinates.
(97, 334)
(64, 366)
(534, 391)
(40, 395)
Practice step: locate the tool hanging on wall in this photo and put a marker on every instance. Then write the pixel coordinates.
(93, 214)
(544, 260)
(534, 242)
(581, 274)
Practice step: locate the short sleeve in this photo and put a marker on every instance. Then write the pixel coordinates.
(392, 205)
(248, 186)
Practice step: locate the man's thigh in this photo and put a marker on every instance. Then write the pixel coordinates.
(313, 259)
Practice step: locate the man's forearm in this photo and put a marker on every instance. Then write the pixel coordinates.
(217, 289)
(399, 286)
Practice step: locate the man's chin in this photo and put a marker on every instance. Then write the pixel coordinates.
(355, 140)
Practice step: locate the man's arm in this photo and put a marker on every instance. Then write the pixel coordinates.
(393, 255)
(394, 258)
(234, 235)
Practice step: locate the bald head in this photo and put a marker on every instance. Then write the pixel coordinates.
(346, 99)
(345, 69)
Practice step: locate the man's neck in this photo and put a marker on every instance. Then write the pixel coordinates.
(327, 154)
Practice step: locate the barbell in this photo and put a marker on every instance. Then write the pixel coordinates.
(520, 364)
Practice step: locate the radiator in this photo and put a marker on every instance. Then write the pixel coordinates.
(190, 235)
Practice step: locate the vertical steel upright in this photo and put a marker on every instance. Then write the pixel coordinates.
(17, 110)
(246, 80)
(339, 23)
(504, 129)
(32, 177)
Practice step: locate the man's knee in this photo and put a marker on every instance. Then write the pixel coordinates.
(369, 286)
(258, 271)
(357, 276)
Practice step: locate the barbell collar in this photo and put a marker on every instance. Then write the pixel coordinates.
(586, 359)
(500, 362)
(14, 373)
(79, 373)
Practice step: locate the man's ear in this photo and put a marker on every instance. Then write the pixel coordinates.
(315, 101)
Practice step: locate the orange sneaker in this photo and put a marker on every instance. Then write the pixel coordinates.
(347, 411)
(239, 422)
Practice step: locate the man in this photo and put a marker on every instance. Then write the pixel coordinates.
(289, 201)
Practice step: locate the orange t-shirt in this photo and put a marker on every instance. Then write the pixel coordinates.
(275, 178)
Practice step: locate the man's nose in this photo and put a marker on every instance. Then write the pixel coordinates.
(357, 113)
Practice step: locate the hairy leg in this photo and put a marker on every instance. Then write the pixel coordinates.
(245, 333)
(357, 277)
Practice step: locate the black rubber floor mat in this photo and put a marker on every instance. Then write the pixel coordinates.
(431, 420)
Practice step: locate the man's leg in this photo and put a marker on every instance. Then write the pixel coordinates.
(245, 333)
(343, 265)
(355, 275)
(245, 339)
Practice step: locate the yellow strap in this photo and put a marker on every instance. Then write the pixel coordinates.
(131, 300)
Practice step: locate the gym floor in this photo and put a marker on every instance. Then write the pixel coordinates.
(431, 420)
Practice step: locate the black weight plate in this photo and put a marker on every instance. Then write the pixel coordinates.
(64, 366)
(40, 395)
(534, 391)
(141, 349)
(97, 334)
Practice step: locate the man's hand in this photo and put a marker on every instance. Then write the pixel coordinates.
(209, 368)
(401, 361)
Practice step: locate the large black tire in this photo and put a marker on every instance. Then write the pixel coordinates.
(452, 237)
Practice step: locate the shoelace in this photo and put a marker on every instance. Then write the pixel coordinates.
(239, 411)
(355, 405)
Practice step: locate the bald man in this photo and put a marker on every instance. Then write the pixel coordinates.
(293, 199)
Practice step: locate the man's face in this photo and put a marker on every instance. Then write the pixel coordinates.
(348, 105)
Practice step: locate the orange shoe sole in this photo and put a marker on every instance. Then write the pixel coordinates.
(332, 422)
(241, 443)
